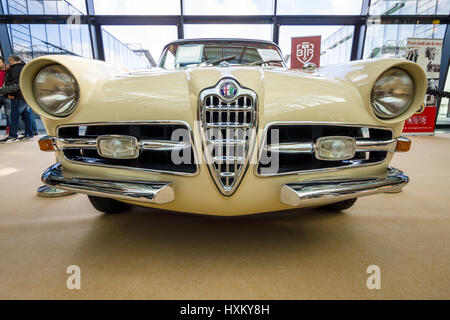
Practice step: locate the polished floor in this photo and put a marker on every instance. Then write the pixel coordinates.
(146, 254)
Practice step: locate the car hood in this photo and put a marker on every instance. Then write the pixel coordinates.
(332, 94)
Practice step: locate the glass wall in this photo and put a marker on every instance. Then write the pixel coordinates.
(118, 53)
(389, 40)
(444, 110)
(34, 40)
(228, 7)
(400, 7)
(137, 7)
(152, 38)
(65, 7)
(242, 31)
(319, 7)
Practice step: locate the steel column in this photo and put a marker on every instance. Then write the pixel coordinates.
(276, 26)
(359, 34)
(95, 32)
(180, 26)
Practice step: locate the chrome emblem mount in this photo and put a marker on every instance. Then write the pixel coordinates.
(229, 122)
(228, 90)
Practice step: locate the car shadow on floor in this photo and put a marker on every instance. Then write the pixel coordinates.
(145, 232)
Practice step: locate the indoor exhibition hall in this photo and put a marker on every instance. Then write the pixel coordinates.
(224, 150)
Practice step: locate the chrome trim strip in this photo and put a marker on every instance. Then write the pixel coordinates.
(148, 192)
(149, 122)
(228, 125)
(324, 123)
(163, 145)
(291, 147)
(309, 147)
(315, 193)
(376, 145)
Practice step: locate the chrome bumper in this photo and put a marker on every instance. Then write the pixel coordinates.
(315, 193)
(149, 192)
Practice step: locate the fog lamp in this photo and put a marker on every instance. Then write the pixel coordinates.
(335, 148)
(118, 147)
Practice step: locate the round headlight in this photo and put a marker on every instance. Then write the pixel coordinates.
(56, 90)
(392, 94)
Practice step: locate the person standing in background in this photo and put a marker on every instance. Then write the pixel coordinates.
(4, 101)
(11, 88)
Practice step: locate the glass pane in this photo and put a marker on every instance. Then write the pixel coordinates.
(44, 7)
(319, 7)
(31, 41)
(137, 7)
(443, 7)
(444, 111)
(241, 31)
(383, 41)
(419, 7)
(336, 41)
(137, 47)
(145, 38)
(228, 7)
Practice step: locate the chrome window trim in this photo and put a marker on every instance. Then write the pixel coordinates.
(252, 141)
(324, 123)
(149, 122)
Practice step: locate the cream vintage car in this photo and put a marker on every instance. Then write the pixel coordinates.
(222, 127)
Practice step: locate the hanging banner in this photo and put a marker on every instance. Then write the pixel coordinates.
(304, 50)
(426, 53)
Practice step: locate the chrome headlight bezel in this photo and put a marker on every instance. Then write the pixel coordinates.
(67, 106)
(397, 79)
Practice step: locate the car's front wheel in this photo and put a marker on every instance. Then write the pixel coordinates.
(339, 206)
(106, 205)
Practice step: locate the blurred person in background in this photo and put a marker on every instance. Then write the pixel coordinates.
(4, 101)
(11, 89)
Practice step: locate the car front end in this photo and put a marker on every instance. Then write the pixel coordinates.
(224, 139)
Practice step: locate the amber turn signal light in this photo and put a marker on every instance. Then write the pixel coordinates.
(46, 144)
(403, 144)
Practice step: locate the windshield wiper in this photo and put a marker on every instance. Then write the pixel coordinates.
(217, 60)
(262, 61)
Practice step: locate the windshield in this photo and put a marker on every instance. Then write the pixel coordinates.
(214, 53)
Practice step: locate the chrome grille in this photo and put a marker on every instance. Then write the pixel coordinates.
(229, 130)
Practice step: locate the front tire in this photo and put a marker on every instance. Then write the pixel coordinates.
(106, 205)
(339, 206)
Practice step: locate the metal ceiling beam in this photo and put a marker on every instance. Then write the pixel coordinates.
(247, 19)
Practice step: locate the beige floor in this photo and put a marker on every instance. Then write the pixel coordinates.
(158, 255)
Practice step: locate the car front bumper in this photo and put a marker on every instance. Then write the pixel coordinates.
(302, 194)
